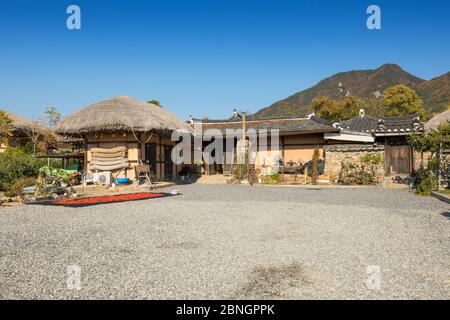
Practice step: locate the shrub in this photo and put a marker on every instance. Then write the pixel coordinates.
(27, 148)
(241, 168)
(425, 182)
(315, 166)
(425, 178)
(15, 189)
(349, 173)
(240, 171)
(363, 172)
(371, 159)
(273, 179)
(16, 163)
(308, 167)
(252, 174)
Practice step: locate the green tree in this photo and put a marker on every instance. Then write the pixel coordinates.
(431, 141)
(315, 166)
(400, 100)
(444, 130)
(374, 107)
(51, 117)
(330, 109)
(422, 144)
(324, 107)
(5, 127)
(426, 177)
(443, 134)
(349, 107)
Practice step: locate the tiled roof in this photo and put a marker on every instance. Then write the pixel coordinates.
(353, 147)
(286, 125)
(384, 126)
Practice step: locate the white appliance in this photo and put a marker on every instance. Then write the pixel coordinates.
(103, 178)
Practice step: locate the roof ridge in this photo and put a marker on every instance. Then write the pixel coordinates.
(247, 120)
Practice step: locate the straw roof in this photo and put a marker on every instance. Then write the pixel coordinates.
(437, 120)
(120, 114)
(21, 124)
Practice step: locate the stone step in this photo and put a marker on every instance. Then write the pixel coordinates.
(213, 179)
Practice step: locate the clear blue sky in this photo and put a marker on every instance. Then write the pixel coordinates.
(205, 57)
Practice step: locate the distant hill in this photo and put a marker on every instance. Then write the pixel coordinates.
(435, 93)
(368, 84)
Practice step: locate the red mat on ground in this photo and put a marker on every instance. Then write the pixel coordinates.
(109, 199)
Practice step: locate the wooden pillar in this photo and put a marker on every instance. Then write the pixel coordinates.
(440, 165)
(411, 160)
(160, 157)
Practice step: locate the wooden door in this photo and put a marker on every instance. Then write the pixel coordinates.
(168, 164)
(150, 156)
(397, 160)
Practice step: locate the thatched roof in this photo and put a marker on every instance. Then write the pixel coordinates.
(437, 120)
(21, 124)
(120, 114)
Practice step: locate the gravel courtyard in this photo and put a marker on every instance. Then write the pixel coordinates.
(232, 242)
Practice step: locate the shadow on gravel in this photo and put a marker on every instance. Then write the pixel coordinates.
(446, 214)
(273, 282)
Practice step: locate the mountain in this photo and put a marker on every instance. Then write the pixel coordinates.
(366, 84)
(435, 93)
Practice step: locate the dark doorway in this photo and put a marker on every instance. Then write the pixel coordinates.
(397, 160)
(150, 156)
(168, 164)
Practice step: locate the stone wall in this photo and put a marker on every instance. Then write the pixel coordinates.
(336, 155)
(418, 159)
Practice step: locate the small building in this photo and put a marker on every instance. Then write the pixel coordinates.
(389, 133)
(69, 150)
(338, 142)
(23, 131)
(299, 136)
(122, 132)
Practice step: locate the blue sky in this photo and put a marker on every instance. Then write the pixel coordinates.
(205, 57)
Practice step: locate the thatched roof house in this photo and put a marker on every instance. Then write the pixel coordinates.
(21, 125)
(123, 132)
(23, 131)
(437, 120)
(120, 114)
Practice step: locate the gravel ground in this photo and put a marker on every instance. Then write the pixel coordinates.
(226, 242)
